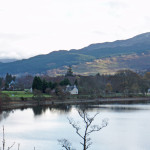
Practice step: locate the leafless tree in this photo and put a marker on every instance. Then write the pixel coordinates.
(65, 144)
(89, 128)
(3, 138)
(11, 146)
(3, 141)
(18, 146)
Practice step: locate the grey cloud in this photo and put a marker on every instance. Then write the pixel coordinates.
(10, 36)
(99, 32)
(7, 50)
(115, 4)
(10, 54)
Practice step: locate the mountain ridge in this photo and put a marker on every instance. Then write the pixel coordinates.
(58, 59)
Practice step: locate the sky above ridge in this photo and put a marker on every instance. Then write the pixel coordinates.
(32, 27)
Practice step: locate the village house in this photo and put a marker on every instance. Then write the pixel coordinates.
(72, 89)
(11, 85)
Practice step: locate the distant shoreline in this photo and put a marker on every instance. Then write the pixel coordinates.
(29, 103)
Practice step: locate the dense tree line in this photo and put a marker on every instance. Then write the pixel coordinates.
(43, 85)
(20, 82)
(4, 82)
(124, 81)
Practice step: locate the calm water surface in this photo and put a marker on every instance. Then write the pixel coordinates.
(128, 129)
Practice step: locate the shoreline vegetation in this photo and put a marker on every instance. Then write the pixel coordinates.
(15, 104)
(125, 87)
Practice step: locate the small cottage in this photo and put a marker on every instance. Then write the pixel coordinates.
(31, 90)
(11, 85)
(72, 89)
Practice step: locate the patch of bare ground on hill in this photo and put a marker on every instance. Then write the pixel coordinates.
(109, 65)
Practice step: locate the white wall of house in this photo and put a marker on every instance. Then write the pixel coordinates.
(74, 91)
(31, 90)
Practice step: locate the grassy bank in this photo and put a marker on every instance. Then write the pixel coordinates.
(21, 94)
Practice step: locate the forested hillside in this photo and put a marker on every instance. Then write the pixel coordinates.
(137, 46)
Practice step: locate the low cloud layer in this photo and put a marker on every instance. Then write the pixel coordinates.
(32, 27)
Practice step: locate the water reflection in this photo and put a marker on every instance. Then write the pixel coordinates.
(114, 108)
(4, 114)
(64, 109)
(128, 126)
(39, 110)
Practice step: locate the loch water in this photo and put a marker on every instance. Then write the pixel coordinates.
(41, 127)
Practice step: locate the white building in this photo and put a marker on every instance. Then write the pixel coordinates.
(11, 85)
(148, 91)
(31, 90)
(72, 89)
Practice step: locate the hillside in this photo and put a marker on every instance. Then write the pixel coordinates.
(108, 65)
(108, 56)
(7, 60)
(111, 65)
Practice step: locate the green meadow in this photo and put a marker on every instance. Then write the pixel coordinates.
(20, 94)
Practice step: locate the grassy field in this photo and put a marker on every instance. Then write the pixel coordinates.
(21, 94)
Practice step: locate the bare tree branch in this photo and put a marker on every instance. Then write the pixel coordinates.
(75, 125)
(97, 128)
(89, 128)
(18, 146)
(88, 145)
(3, 138)
(65, 144)
(11, 146)
(3, 141)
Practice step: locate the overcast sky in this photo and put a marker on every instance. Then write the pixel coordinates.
(32, 27)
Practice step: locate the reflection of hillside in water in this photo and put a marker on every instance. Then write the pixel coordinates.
(114, 108)
(60, 109)
(4, 114)
(64, 109)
